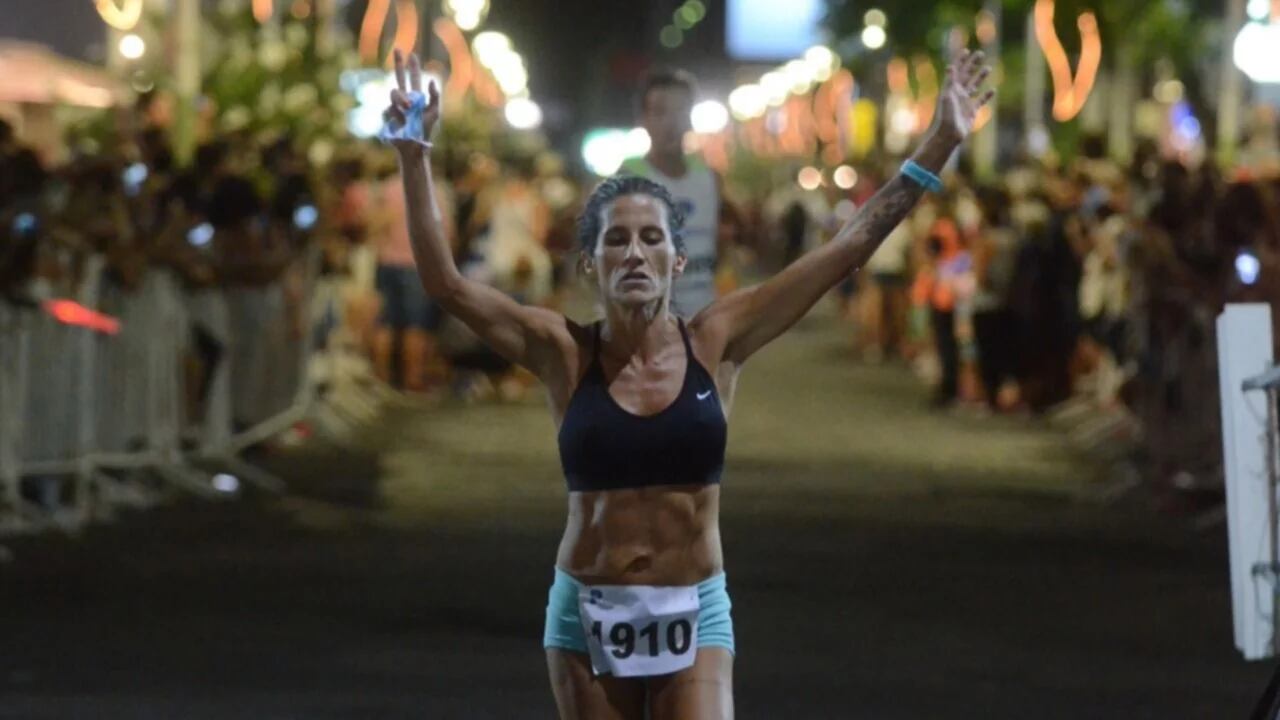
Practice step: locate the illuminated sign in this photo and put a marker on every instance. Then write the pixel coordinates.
(772, 30)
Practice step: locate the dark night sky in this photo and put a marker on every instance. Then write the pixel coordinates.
(71, 27)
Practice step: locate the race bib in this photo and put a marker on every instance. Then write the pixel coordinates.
(636, 630)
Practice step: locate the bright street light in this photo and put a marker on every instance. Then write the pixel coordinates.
(489, 45)
(508, 69)
(776, 87)
(810, 178)
(468, 14)
(873, 36)
(1257, 52)
(748, 102)
(845, 177)
(821, 61)
(800, 75)
(709, 116)
(605, 149)
(132, 47)
(523, 114)
(636, 143)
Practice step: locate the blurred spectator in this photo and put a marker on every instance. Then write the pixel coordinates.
(291, 190)
(666, 100)
(886, 297)
(940, 285)
(995, 254)
(1045, 296)
(516, 252)
(409, 319)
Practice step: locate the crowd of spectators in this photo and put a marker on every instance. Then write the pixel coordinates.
(1084, 282)
(1055, 282)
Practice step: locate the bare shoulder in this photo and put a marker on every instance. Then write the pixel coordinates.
(711, 330)
(568, 347)
(711, 335)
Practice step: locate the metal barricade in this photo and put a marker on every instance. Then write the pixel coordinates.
(271, 383)
(13, 355)
(57, 433)
(86, 418)
(140, 376)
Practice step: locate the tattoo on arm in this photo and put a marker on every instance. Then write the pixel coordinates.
(882, 213)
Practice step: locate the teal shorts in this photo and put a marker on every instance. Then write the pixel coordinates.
(564, 625)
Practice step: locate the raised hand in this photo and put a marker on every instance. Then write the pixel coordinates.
(962, 96)
(406, 134)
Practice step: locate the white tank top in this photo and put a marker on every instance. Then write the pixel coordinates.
(697, 196)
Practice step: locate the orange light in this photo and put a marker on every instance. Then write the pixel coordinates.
(123, 18)
(1069, 93)
(262, 10)
(927, 81)
(983, 117)
(926, 76)
(799, 137)
(986, 28)
(844, 86)
(72, 313)
(301, 9)
(1090, 59)
(824, 112)
(716, 152)
(375, 16)
(899, 80)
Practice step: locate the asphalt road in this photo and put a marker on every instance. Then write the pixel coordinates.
(884, 562)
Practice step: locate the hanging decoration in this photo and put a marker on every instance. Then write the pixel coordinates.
(406, 38)
(123, 17)
(375, 20)
(1069, 93)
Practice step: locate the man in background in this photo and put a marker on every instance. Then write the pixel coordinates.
(666, 102)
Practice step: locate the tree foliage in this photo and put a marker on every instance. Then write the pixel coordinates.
(1163, 28)
(1182, 33)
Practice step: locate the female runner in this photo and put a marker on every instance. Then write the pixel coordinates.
(638, 612)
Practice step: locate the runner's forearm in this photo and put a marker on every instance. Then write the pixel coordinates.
(431, 248)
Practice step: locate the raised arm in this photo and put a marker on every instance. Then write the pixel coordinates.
(747, 320)
(533, 337)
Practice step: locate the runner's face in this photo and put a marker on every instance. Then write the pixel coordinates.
(666, 118)
(635, 256)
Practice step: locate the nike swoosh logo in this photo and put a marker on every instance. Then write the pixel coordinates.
(705, 395)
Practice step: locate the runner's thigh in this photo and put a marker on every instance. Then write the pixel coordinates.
(581, 695)
(701, 692)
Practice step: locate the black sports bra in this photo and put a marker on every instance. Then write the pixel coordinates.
(603, 447)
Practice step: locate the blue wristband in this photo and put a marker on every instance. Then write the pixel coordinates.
(922, 177)
(412, 128)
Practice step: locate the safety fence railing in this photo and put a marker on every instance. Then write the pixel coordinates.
(103, 404)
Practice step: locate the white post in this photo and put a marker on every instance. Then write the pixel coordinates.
(1033, 104)
(186, 77)
(1245, 351)
(986, 143)
(1122, 97)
